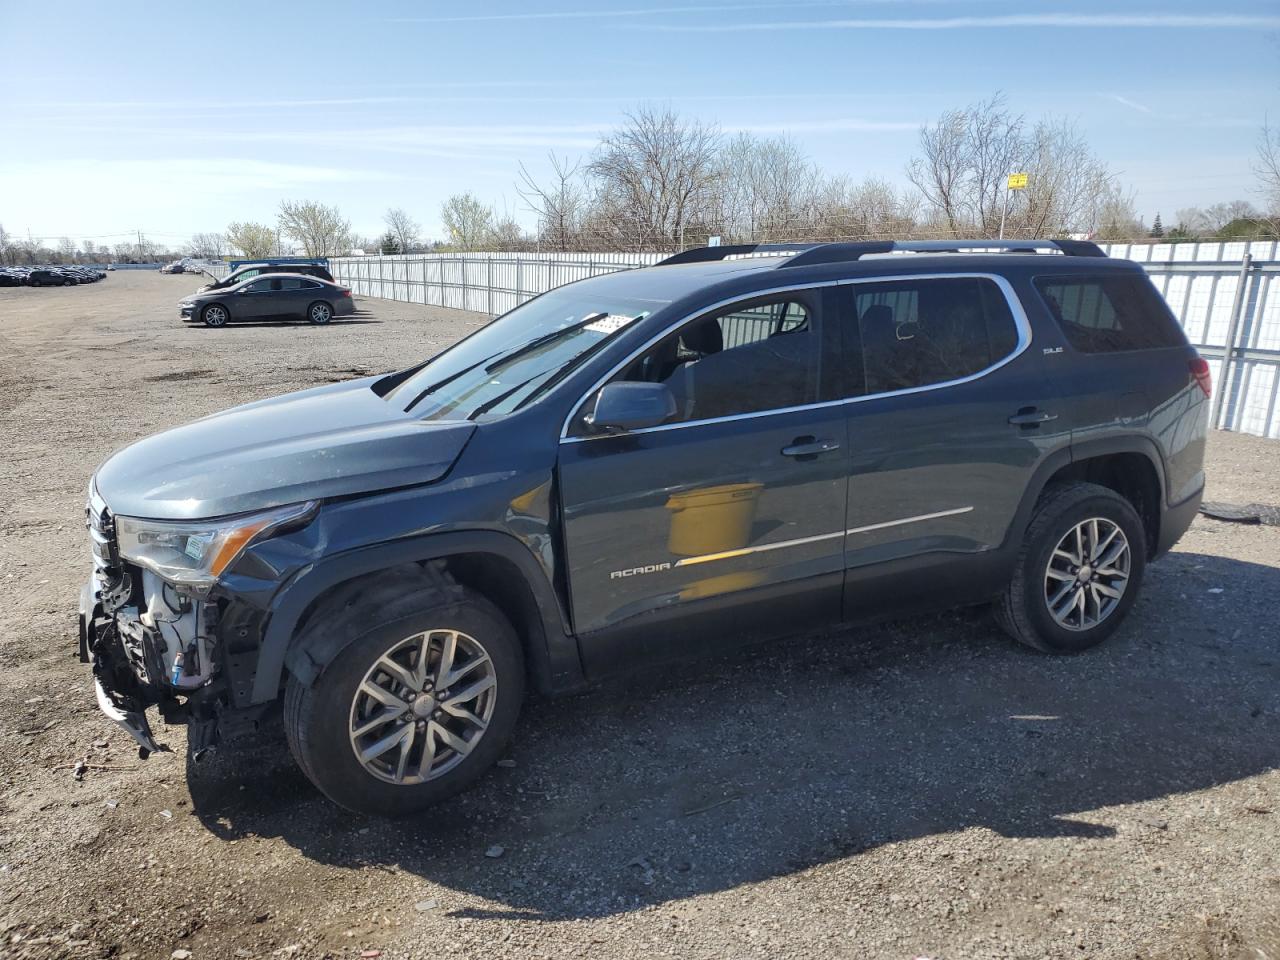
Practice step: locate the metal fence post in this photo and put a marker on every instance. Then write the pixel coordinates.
(519, 275)
(489, 281)
(1229, 348)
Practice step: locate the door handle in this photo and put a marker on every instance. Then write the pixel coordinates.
(1031, 417)
(806, 448)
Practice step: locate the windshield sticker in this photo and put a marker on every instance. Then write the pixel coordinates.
(609, 323)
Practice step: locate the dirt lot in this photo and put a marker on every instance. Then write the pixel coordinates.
(920, 789)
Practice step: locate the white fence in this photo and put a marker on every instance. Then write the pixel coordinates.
(1216, 289)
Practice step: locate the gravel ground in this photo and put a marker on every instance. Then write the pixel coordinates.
(924, 788)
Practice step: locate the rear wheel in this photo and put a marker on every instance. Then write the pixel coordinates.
(1079, 570)
(214, 315)
(416, 706)
(319, 313)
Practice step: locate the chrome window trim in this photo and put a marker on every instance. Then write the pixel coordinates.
(1020, 321)
(802, 541)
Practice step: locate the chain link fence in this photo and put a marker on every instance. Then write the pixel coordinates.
(1221, 293)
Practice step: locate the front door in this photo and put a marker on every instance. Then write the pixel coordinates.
(726, 523)
(258, 299)
(950, 414)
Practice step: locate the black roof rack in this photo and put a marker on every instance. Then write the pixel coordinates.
(709, 254)
(809, 254)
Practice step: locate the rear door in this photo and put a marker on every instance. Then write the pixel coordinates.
(727, 522)
(296, 294)
(949, 415)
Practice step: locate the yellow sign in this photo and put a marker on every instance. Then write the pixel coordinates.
(1017, 181)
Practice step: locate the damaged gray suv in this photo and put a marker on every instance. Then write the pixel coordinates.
(739, 444)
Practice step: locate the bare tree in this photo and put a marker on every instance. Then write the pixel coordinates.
(320, 229)
(7, 249)
(765, 189)
(968, 154)
(654, 176)
(1266, 166)
(560, 205)
(252, 239)
(404, 228)
(468, 222)
(1117, 217)
(209, 245)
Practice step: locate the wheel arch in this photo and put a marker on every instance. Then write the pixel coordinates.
(496, 565)
(1131, 466)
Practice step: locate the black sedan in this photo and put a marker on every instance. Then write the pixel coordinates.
(274, 295)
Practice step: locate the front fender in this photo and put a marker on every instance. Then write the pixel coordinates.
(554, 656)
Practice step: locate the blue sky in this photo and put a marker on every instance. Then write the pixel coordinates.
(178, 118)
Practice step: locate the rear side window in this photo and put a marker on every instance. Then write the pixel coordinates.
(1110, 314)
(920, 332)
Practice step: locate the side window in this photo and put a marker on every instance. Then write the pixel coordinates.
(1109, 314)
(277, 285)
(919, 332)
(258, 286)
(293, 283)
(747, 359)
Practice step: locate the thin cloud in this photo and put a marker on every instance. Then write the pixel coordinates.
(1126, 102)
(645, 11)
(1076, 20)
(826, 126)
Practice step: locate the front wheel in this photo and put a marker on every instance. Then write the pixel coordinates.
(1079, 570)
(415, 708)
(214, 315)
(319, 313)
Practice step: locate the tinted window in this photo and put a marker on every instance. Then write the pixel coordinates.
(294, 283)
(258, 286)
(762, 356)
(919, 332)
(1108, 314)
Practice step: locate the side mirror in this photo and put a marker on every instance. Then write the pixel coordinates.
(626, 406)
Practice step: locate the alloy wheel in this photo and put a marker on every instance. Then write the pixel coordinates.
(1087, 574)
(423, 706)
(320, 313)
(215, 316)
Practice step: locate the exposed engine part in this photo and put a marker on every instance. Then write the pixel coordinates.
(168, 636)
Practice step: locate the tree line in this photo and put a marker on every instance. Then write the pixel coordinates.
(661, 181)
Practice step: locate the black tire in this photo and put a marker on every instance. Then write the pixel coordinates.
(367, 618)
(212, 319)
(319, 313)
(1023, 610)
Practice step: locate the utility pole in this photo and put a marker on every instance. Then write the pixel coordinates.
(139, 246)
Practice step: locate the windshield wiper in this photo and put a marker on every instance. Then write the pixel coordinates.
(490, 404)
(507, 358)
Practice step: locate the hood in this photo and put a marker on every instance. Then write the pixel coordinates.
(330, 441)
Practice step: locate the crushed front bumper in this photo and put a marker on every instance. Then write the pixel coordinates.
(120, 697)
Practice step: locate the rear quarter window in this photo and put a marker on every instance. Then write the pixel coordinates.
(1110, 314)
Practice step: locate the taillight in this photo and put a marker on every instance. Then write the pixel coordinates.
(347, 293)
(1199, 368)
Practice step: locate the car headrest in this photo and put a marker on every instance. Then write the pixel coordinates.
(704, 338)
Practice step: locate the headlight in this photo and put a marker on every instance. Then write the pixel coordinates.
(196, 552)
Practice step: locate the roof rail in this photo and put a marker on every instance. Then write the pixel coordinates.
(809, 254)
(838, 252)
(709, 254)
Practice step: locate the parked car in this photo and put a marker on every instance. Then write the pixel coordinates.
(175, 267)
(701, 454)
(285, 295)
(45, 277)
(250, 270)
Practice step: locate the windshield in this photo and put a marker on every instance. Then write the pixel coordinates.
(517, 358)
